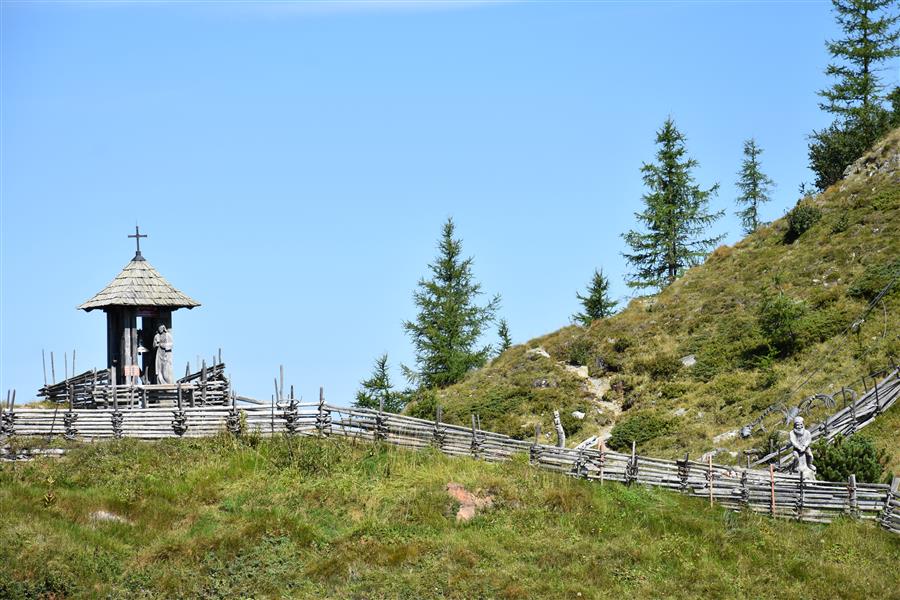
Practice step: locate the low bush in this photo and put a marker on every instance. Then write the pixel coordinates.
(779, 320)
(800, 219)
(660, 366)
(874, 279)
(578, 352)
(848, 456)
(622, 343)
(638, 428)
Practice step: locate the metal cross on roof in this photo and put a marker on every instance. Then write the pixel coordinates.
(137, 238)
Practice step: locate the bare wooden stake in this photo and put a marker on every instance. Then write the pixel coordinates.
(709, 461)
(66, 364)
(772, 488)
(52, 367)
(602, 459)
(560, 432)
(44, 364)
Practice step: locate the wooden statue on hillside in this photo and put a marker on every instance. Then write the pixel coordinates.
(801, 439)
(163, 344)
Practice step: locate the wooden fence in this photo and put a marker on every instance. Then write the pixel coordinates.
(93, 389)
(763, 491)
(850, 419)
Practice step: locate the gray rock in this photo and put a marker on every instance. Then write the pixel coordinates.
(535, 352)
(103, 515)
(724, 437)
(689, 361)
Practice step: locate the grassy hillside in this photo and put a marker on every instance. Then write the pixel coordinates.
(304, 518)
(719, 313)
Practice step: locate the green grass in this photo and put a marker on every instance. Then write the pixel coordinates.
(713, 312)
(304, 518)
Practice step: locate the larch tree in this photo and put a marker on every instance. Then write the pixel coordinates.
(449, 325)
(857, 96)
(675, 216)
(596, 303)
(755, 186)
(377, 391)
(503, 334)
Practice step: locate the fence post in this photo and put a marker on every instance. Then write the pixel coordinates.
(772, 488)
(798, 505)
(745, 489)
(116, 419)
(323, 417)
(684, 472)
(381, 431)
(709, 476)
(476, 443)
(233, 420)
(70, 417)
(535, 452)
(8, 419)
(877, 398)
(888, 512)
(203, 384)
(853, 504)
(439, 433)
(602, 447)
(179, 422)
(631, 470)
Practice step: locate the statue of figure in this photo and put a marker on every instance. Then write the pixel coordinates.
(801, 439)
(162, 342)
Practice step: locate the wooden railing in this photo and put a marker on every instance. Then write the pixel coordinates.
(857, 414)
(762, 491)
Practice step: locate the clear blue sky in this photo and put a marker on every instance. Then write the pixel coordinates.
(293, 162)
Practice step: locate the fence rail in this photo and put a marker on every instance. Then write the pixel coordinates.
(762, 491)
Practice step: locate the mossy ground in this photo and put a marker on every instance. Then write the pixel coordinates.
(305, 518)
(712, 312)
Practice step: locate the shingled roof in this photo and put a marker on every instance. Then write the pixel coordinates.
(139, 284)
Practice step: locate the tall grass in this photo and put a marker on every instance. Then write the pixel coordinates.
(303, 518)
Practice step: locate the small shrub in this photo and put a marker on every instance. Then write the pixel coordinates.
(605, 364)
(800, 219)
(578, 351)
(779, 320)
(639, 428)
(422, 405)
(840, 224)
(874, 279)
(767, 376)
(660, 367)
(621, 344)
(847, 456)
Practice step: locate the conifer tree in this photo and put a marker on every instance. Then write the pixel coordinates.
(675, 216)
(754, 186)
(503, 333)
(857, 96)
(377, 391)
(447, 329)
(870, 40)
(597, 303)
